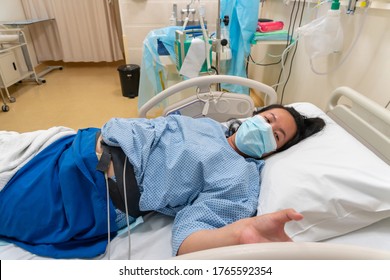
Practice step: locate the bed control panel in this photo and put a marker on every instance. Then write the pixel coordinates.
(220, 106)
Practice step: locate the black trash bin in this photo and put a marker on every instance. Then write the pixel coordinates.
(129, 76)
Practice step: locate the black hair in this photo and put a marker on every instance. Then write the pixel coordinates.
(305, 126)
(233, 125)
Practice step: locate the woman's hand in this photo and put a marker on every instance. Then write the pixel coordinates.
(266, 228)
(258, 229)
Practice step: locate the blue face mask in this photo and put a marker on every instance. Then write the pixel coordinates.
(255, 137)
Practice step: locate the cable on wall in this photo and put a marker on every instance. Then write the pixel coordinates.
(291, 32)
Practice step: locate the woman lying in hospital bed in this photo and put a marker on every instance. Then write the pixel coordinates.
(54, 202)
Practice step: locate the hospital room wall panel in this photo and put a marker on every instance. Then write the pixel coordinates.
(145, 12)
(11, 10)
(135, 41)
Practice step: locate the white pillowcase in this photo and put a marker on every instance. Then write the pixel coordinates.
(331, 178)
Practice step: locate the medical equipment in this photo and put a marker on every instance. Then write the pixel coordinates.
(351, 6)
(222, 52)
(188, 17)
(118, 196)
(185, 46)
(221, 49)
(333, 169)
(182, 45)
(156, 71)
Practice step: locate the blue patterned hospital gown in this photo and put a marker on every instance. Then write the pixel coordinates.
(186, 168)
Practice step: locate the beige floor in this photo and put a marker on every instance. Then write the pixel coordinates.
(80, 95)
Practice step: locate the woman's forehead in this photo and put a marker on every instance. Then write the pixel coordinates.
(282, 119)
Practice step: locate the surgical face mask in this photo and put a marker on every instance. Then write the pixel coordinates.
(255, 137)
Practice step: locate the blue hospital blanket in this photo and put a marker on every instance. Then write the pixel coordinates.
(55, 205)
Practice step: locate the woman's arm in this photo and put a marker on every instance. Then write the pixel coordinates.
(264, 228)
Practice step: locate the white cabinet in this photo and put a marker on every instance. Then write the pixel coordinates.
(9, 69)
(11, 72)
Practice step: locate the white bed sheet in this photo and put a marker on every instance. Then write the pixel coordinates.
(152, 239)
(149, 241)
(375, 236)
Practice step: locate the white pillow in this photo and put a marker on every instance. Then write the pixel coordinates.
(331, 178)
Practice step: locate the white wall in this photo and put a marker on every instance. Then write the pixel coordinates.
(366, 65)
(11, 10)
(139, 17)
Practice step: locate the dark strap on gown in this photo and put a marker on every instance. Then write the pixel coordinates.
(123, 174)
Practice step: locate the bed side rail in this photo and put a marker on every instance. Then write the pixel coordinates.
(288, 251)
(363, 118)
(203, 83)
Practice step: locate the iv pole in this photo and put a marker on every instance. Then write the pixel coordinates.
(218, 42)
(218, 36)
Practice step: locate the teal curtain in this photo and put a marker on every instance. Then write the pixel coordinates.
(152, 70)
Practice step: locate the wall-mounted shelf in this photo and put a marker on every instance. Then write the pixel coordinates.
(270, 43)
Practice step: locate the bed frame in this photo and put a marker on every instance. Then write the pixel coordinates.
(364, 119)
(218, 105)
(288, 251)
(360, 116)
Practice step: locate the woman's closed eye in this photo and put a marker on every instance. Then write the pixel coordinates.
(277, 138)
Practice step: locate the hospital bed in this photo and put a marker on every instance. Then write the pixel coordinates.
(338, 179)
